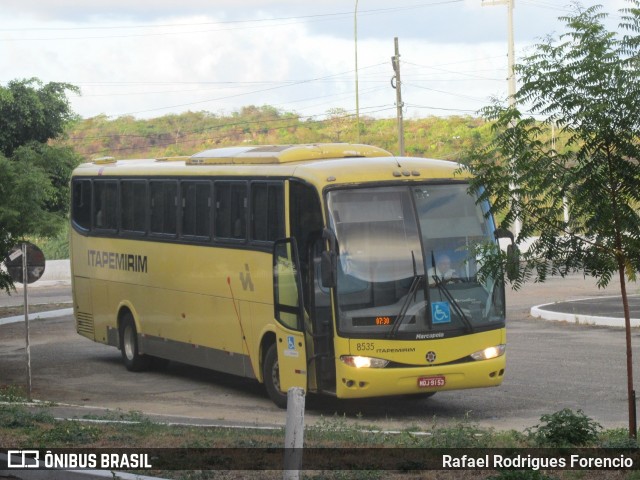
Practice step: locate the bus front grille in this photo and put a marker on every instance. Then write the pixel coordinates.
(84, 323)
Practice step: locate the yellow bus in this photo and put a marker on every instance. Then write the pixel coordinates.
(337, 268)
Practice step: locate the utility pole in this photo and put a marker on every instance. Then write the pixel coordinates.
(511, 76)
(355, 37)
(397, 84)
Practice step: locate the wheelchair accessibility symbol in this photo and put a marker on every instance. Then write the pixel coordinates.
(291, 348)
(440, 312)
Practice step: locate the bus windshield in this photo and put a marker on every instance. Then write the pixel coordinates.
(407, 266)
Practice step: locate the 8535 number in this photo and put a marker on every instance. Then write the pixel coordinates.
(365, 346)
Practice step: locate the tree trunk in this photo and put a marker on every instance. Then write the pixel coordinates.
(631, 394)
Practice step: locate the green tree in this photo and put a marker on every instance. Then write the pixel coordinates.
(586, 82)
(32, 111)
(34, 185)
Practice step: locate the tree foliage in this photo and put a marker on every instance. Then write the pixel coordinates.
(34, 185)
(32, 111)
(585, 84)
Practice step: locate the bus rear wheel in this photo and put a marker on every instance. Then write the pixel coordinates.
(133, 360)
(271, 377)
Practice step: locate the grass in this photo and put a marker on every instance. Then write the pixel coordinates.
(23, 426)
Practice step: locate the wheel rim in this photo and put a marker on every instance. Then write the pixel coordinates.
(275, 376)
(129, 342)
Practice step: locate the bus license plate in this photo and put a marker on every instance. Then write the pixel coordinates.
(424, 382)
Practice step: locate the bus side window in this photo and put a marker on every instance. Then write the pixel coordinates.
(267, 211)
(105, 204)
(133, 195)
(231, 210)
(306, 216)
(81, 210)
(306, 226)
(164, 206)
(196, 213)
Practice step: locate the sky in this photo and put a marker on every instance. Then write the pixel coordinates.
(152, 58)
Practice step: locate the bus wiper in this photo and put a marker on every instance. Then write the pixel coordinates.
(415, 283)
(445, 291)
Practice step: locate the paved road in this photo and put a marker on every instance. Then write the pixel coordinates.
(551, 365)
(39, 293)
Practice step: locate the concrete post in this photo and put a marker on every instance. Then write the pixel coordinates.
(294, 434)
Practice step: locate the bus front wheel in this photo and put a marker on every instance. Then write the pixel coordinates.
(133, 360)
(271, 377)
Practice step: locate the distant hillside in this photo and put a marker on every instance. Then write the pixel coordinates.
(187, 133)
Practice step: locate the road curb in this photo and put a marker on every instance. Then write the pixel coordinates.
(545, 312)
(37, 316)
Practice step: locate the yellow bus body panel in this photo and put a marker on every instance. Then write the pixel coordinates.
(186, 297)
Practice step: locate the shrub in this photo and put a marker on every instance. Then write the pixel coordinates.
(565, 428)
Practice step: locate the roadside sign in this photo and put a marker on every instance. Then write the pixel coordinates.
(35, 263)
(25, 261)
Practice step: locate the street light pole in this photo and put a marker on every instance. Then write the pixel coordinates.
(355, 36)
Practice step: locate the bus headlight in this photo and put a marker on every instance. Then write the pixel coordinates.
(363, 362)
(489, 353)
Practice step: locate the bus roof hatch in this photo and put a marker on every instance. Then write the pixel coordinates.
(273, 154)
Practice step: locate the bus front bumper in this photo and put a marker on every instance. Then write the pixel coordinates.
(352, 382)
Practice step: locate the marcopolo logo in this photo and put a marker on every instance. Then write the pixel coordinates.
(23, 459)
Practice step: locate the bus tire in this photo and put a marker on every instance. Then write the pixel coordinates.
(133, 360)
(271, 377)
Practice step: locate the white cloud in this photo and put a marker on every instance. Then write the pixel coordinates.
(130, 59)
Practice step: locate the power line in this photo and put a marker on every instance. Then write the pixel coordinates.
(547, 5)
(174, 142)
(170, 25)
(232, 22)
(300, 82)
(428, 107)
(470, 75)
(287, 117)
(245, 24)
(445, 92)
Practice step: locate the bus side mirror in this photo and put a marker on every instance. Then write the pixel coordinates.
(513, 253)
(328, 269)
(513, 262)
(503, 233)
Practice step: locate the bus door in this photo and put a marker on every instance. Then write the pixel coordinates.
(306, 227)
(320, 311)
(289, 312)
